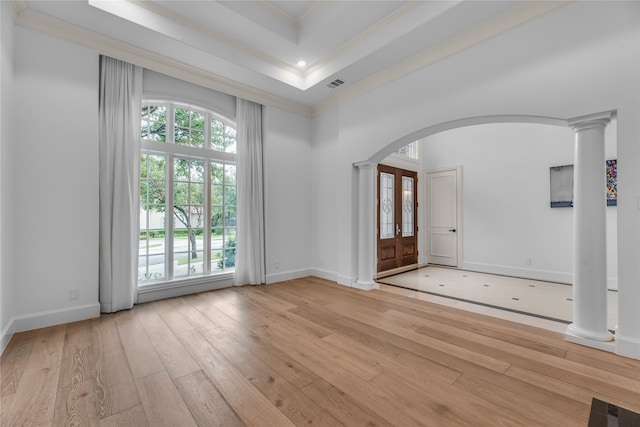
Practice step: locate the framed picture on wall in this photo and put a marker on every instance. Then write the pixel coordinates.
(561, 178)
(561, 183)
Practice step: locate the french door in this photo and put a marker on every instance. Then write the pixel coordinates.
(397, 218)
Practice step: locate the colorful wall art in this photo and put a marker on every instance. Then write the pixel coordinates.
(612, 182)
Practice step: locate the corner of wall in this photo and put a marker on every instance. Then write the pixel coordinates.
(6, 335)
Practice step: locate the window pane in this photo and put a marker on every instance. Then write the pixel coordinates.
(181, 117)
(216, 216)
(197, 121)
(197, 138)
(230, 216)
(153, 123)
(407, 206)
(387, 221)
(230, 195)
(230, 174)
(216, 195)
(217, 173)
(151, 264)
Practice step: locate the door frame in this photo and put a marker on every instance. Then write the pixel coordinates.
(415, 175)
(459, 228)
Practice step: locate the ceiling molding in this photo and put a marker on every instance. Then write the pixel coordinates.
(204, 30)
(328, 105)
(313, 9)
(363, 36)
(493, 27)
(105, 45)
(278, 12)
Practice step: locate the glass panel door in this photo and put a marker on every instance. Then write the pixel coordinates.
(387, 206)
(407, 207)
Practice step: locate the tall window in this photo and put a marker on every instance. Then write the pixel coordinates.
(187, 193)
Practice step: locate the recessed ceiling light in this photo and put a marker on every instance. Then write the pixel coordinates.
(301, 63)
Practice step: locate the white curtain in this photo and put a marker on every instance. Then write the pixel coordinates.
(250, 247)
(119, 163)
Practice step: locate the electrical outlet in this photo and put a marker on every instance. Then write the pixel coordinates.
(276, 265)
(74, 293)
(527, 261)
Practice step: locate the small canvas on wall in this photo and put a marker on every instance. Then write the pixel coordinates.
(561, 186)
(561, 179)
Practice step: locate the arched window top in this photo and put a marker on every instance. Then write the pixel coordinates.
(187, 126)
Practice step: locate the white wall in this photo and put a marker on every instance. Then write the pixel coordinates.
(505, 203)
(581, 59)
(159, 85)
(287, 166)
(55, 181)
(324, 181)
(6, 193)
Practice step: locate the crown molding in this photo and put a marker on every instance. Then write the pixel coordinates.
(278, 12)
(363, 36)
(493, 27)
(208, 32)
(107, 46)
(312, 10)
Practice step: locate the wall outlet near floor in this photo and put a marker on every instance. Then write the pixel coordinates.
(527, 261)
(276, 265)
(74, 293)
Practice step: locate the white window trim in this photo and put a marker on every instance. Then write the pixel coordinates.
(164, 288)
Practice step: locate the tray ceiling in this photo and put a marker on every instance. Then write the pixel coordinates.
(258, 45)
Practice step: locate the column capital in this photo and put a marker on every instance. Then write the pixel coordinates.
(365, 165)
(590, 121)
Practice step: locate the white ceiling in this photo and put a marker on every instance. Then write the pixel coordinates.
(255, 45)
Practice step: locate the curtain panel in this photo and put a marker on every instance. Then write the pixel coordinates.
(250, 247)
(119, 163)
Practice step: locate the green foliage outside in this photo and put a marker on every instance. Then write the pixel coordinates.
(188, 178)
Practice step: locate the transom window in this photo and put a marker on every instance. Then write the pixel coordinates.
(187, 193)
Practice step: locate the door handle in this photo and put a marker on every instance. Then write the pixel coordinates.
(453, 230)
(397, 229)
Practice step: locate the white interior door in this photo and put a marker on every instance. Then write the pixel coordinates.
(442, 217)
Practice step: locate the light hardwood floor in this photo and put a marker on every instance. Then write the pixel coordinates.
(305, 352)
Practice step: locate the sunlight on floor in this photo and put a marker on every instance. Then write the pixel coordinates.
(543, 304)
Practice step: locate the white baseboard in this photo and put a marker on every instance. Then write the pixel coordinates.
(325, 274)
(346, 280)
(628, 347)
(27, 322)
(7, 333)
(288, 275)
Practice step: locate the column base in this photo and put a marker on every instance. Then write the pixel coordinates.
(366, 285)
(601, 341)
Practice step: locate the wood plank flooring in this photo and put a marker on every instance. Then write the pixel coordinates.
(305, 352)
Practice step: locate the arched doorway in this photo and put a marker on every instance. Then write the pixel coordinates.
(589, 270)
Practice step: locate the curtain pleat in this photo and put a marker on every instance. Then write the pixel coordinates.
(250, 246)
(119, 163)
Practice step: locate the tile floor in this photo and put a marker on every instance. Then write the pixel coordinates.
(533, 302)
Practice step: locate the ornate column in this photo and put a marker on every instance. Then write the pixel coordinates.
(366, 225)
(589, 231)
